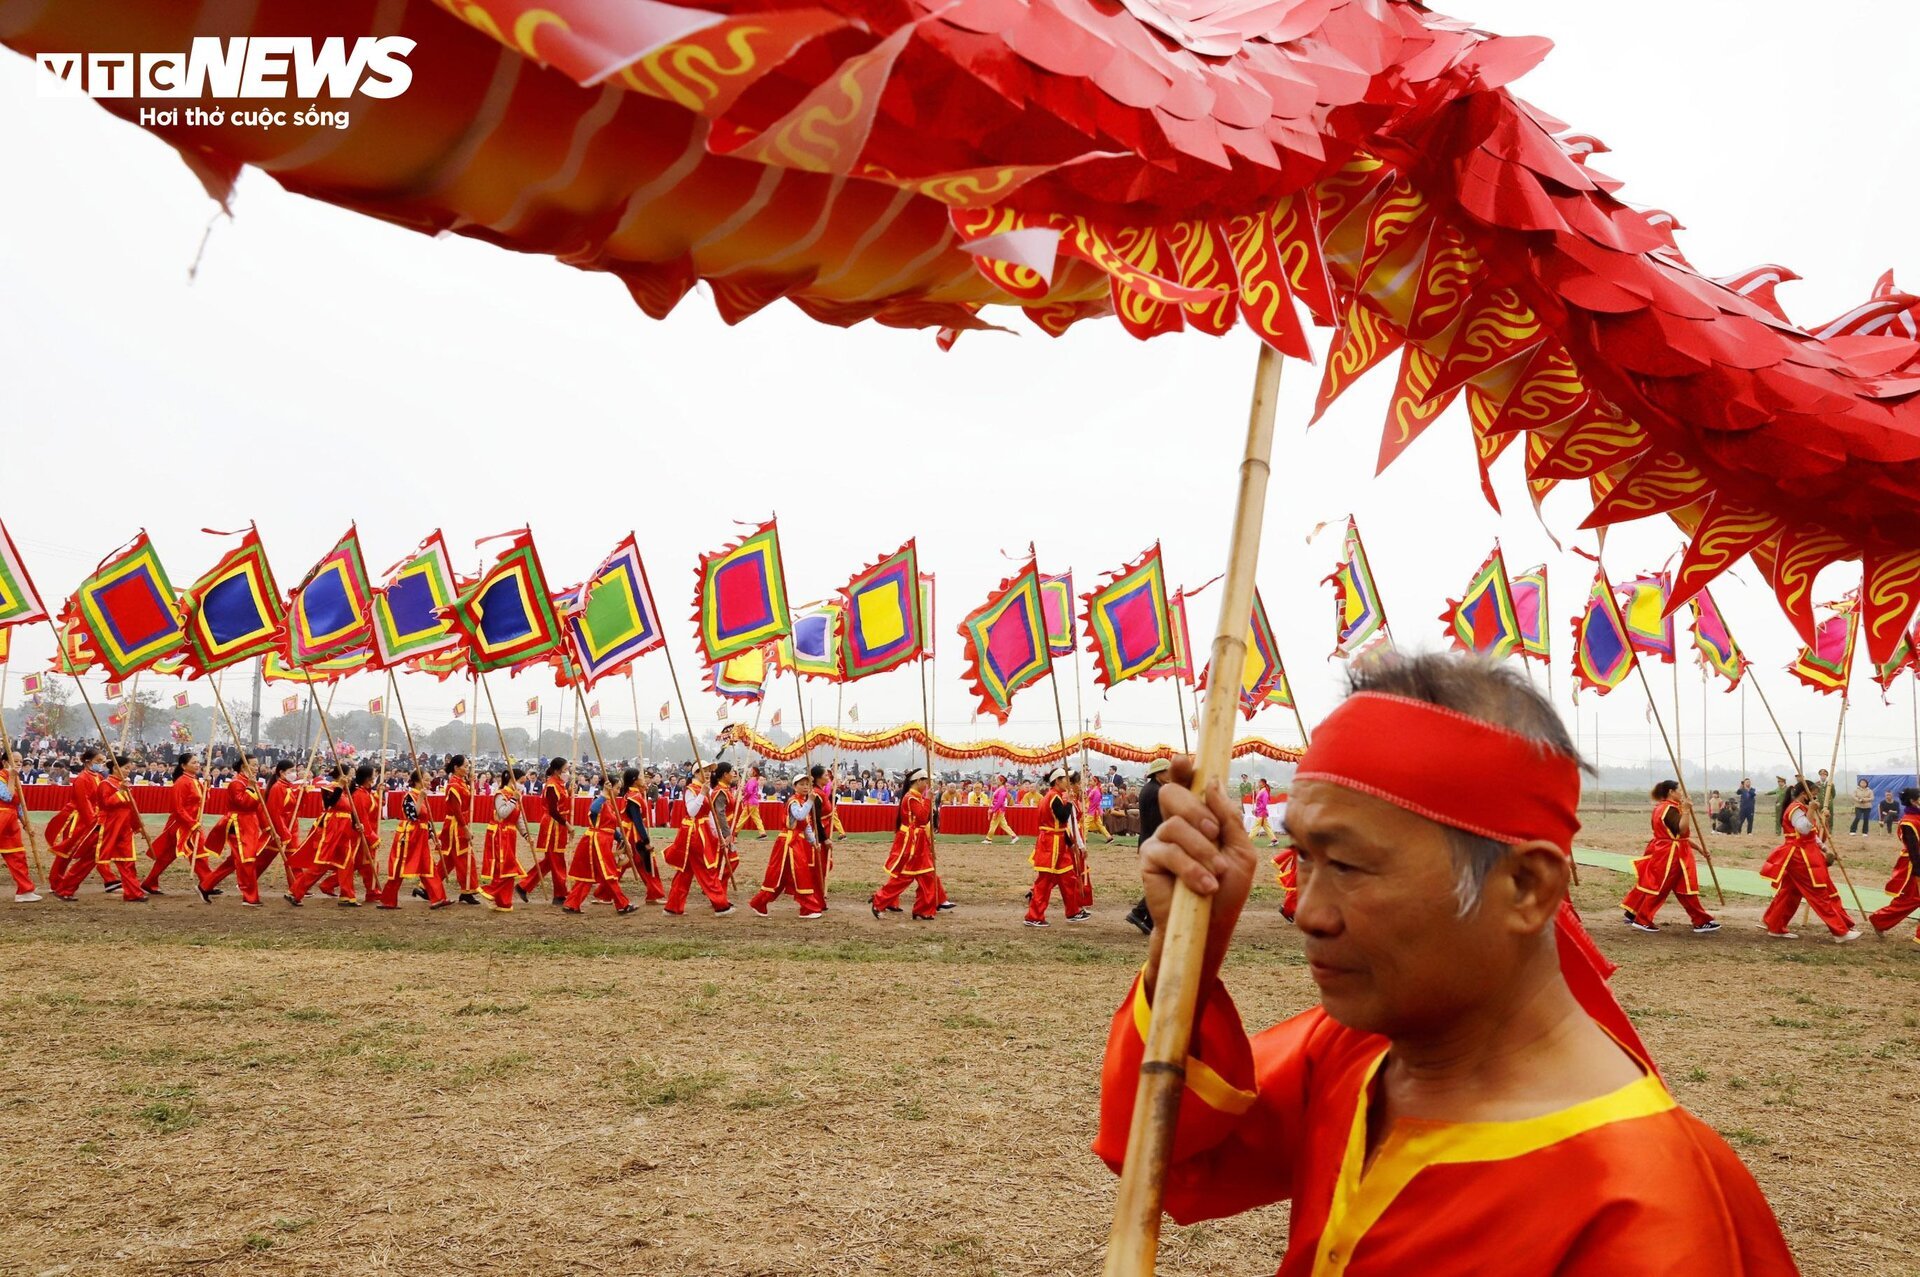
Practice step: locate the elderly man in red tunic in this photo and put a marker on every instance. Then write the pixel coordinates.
(1467, 1097)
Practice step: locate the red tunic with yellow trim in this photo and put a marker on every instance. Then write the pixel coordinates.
(1906, 832)
(1663, 848)
(693, 827)
(794, 850)
(117, 817)
(458, 810)
(1628, 1183)
(410, 853)
(283, 811)
(239, 833)
(501, 851)
(186, 803)
(912, 851)
(553, 822)
(1052, 849)
(1802, 848)
(80, 816)
(593, 858)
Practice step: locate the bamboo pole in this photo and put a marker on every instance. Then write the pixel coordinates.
(1135, 1236)
(519, 815)
(126, 713)
(639, 740)
(333, 752)
(413, 755)
(1179, 703)
(1793, 755)
(1693, 817)
(693, 742)
(473, 715)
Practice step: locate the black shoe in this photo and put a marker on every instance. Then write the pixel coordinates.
(206, 897)
(945, 905)
(216, 891)
(290, 898)
(419, 893)
(895, 909)
(112, 886)
(468, 898)
(521, 892)
(570, 909)
(627, 908)
(1141, 921)
(873, 905)
(923, 917)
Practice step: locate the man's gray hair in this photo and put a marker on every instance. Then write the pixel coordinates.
(1479, 689)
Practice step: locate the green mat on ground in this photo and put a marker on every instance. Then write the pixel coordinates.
(1742, 882)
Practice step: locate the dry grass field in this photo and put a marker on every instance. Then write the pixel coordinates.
(216, 1091)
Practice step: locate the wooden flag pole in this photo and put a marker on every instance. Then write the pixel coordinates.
(314, 738)
(333, 752)
(1792, 755)
(473, 716)
(639, 740)
(273, 835)
(1180, 704)
(799, 700)
(126, 720)
(1135, 1237)
(63, 661)
(1693, 817)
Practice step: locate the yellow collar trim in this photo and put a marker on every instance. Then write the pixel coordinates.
(1363, 1193)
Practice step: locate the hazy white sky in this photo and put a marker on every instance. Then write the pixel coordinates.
(324, 367)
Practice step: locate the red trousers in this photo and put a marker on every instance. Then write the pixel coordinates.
(711, 883)
(1885, 918)
(1644, 904)
(17, 866)
(788, 884)
(82, 864)
(246, 875)
(1043, 885)
(500, 892)
(926, 895)
(1796, 885)
(608, 889)
(552, 863)
(388, 897)
(649, 880)
(57, 871)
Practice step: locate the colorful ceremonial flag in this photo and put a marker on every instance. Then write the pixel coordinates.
(533, 705)
(853, 713)
(1129, 626)
(742, 677)
(32, 684)
(179, 700)
(114, 691)
(883, 624)
(232, 613)
(611, 619)
(1483, 620)
(378, 705)
(722, 715)
(291, 705)
(1179, 662)
(1357, 611)
(594, 710)
(1261, 674)
(1005, 643)
(1826, 664)
(443, 665)
(460, 709)
(1643, 607)
(1056, 604)
(1529, 591)
(741, 601)
(126, 612)
(776, 718)
(1602, 652)
(6, 645)
(278, 669)
(507, 616)
(1096, 722)
(331, 611)
(1884, 674)
(666, 712)
(73, 655)
(1714, 641)
(813, 648)
(410, 618)
(19, 602)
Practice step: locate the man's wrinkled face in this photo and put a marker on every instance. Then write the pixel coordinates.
(1385, 941)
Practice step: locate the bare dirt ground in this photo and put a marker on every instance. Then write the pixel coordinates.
(215, 1091)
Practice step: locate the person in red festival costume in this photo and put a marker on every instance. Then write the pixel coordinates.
(283, 816)
(1667, 868)
(699, 851)
(500, 863)
(410, 854)
(910, 861)
(550, 851)
(14, 827)
(1904, 885)
(596, 857)
(1468, 1098)
(111, 842)
(793, 864)
(1053, 859)
(181, 837)
(241, 835)
(454, 849)
(78, 820)
(349, 837)
(1798, 869)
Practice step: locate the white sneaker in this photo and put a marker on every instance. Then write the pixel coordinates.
(27, 898)
(1850, 937)
(1782, 935)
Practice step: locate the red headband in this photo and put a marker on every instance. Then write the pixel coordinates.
(1452, 769)
(1466, 774)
